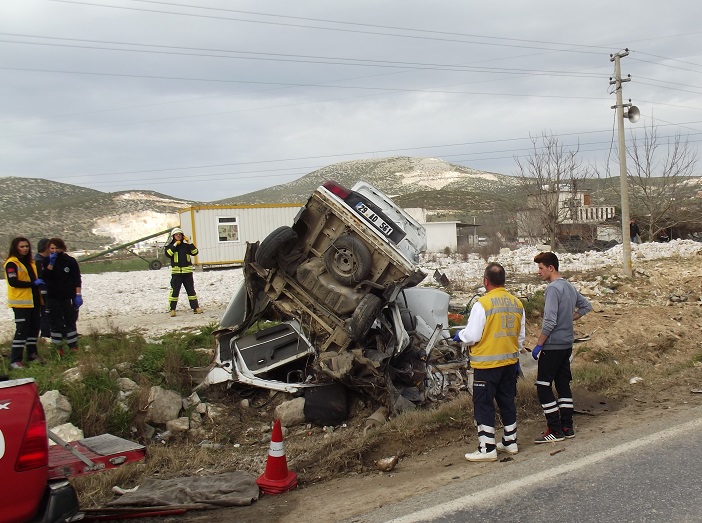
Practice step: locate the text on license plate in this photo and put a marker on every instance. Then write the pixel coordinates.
(374, 218)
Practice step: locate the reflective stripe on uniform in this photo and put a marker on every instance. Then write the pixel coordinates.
(495, 357)
(497, 310)
(20, 303)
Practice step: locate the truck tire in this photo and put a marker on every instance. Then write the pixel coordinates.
(155, 265)
(363, 317)
(348, 260)
(279, 242)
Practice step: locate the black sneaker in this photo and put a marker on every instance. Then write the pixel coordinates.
(549, 437)
(568, 432)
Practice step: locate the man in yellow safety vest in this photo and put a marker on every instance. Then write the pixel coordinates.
(495, 334)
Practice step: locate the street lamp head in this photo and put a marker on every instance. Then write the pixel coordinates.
(633, 114)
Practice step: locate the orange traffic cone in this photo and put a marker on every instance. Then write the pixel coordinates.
(277, 479)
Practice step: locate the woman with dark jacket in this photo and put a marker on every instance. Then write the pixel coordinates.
(63, 295)
(24, 298)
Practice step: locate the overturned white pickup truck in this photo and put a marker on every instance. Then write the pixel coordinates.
(334, 298)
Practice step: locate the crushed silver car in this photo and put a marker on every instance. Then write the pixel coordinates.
(333, 298)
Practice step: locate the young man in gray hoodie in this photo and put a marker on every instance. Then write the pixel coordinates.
(554, 348)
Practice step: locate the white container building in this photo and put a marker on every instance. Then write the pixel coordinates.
(221, 232)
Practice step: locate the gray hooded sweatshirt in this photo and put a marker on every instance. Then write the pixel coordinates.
(562, 300)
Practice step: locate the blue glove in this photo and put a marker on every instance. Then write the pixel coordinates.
(535, 351)
(38, 282)
(52, 258)
(78, 301)
(456, 337)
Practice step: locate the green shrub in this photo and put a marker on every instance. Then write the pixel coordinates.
(534, 304)
(164, 363)
(94, 398)
(94, 406)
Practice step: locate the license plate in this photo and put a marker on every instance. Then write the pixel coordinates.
(376, 220)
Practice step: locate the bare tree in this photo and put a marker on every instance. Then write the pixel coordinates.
(660, 173)
(549, 176)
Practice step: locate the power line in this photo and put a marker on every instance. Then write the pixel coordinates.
(218, 176)
(390, 90)
(322, 28)
(338, 155)
(665, 82)
(356, 62)
(288, 84)
(668, 58)
(307, 169)
(325, 60)
(668, 87)
(346, 22)
(666, 65)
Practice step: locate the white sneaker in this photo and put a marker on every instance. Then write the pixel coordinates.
(512, 448)
(482, 456)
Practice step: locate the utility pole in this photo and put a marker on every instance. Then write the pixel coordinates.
(633, 116)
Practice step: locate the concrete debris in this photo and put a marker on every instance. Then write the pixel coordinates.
(67, 432)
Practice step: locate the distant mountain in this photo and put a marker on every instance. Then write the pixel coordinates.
(90, 219)
(398, 176)
(84, 218)
(449, 192)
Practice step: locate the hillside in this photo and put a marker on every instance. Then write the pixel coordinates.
(447, 191)
(85, 218)
(90, 219)
(398, 176)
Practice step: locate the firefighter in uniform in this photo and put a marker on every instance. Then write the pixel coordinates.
(24, 298)
(495, 334)
(63, 295)
(180, 252)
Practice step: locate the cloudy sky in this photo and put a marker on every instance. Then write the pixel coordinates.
(209, 99)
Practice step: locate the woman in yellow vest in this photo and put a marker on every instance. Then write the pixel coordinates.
(24, 298)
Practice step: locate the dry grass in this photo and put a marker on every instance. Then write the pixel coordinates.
(314, 454)
(409, 433)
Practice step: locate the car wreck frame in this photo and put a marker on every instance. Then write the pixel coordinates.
(334, 298)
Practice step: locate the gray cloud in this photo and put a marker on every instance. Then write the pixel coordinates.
(216, 103)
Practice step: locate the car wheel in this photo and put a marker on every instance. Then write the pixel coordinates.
(348, 260)
(279, 242)
(363, 317)
(155, 265)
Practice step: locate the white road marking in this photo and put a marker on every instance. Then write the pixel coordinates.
(499, 492)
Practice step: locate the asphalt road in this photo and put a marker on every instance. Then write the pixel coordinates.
(644, 474)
